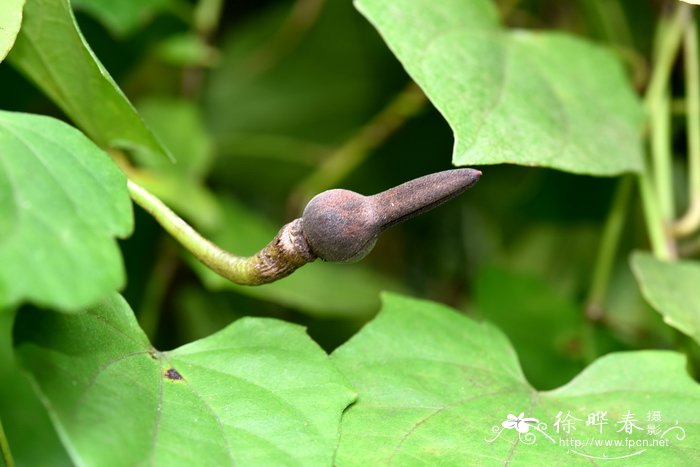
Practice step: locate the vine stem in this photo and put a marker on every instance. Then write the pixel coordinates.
(660, 244)
(662, 157)
(608, 248)
(287, 252)
(614, 25)
(690, 221)
(668, 43)
(337, 225)
(656, 186)
(5, 448)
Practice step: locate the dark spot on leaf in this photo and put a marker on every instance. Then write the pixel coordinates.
(153, 354)
(172, 374)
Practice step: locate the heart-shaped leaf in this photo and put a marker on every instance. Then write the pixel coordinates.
(51, 51)
(529, 98)
(62, 202)
(259, 392)
(436, 387)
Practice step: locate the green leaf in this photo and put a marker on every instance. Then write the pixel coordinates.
(672, 289)
(435, 386)
(62, 202)
(10, 22)
(259, 392)
(310, 289)
(123, 16)
(52, 53)
(528, 98)
(26, 423)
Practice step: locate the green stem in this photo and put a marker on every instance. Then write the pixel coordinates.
(287, 252)
(662, 156)
(690, 222)
(693, 98)
(5, 448)
(660, 244)
(608, 248)
(668, 43)
(405, 105)
(656, 187)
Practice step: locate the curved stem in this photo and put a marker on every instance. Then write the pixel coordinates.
(5, 452)
(667, 45)
(690, 222)
(287, 252)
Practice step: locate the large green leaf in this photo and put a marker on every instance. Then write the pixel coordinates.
(10, 22)
(259, 392)
(24, 419)
(435, 387)
(318, 289)
(672, 289)
(51, 51)
(62, 202)
(123, 16)
(528, 98)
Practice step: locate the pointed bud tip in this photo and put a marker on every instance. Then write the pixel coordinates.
(471, 176)
(460, 179)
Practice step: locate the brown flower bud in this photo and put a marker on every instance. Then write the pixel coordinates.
(341, 225)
